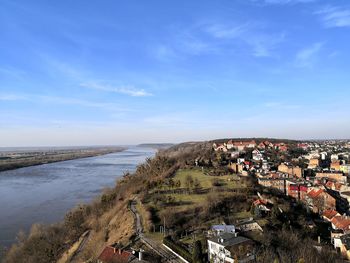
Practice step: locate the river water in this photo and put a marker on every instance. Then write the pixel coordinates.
(44, 193)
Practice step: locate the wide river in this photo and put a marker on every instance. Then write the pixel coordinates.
(44, 193)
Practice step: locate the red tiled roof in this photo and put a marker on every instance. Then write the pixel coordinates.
(341, 222)
(241, 143)
(337, 186)
(330, 213)
(303, 188)
(314, 193)
(293, 187)
(113, 255)
(329, 184)
(333, 185)
(261, 145)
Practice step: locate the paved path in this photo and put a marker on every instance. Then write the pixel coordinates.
(166, 255)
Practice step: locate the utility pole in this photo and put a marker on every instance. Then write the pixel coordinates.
(164, 225)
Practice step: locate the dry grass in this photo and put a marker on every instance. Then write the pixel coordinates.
(114, 226)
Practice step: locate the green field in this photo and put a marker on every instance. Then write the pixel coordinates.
(229, 181)
(189, 199)
(181, 199)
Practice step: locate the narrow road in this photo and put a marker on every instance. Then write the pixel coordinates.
(166, 255)
(85, 237)
(138, 223)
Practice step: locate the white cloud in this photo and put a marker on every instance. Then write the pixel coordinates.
(210, 37)
(78, 75)
(281, 106)
(11, 97)
(126, 90)
(221, 31)
(12, 72)
(334, 16)
(164, 53)
(37, 99)
(78, 102)
(308, 56)
(284, 2)
(262, 44)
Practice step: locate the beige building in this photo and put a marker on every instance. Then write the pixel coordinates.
(337, 176)
(335, 165)
(313, 163)
(291, 170)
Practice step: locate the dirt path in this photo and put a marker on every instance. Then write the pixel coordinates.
(166, 255)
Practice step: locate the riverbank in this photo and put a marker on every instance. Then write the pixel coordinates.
(45, 193)
(10, 160)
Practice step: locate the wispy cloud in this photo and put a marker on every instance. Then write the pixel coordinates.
(221, 31)
(213, 37)
(308, 56)
(39, 99)
(11, 97)
(194, 45)
(284, 2)
(12, 72)
(281, 106)
(126, 90)
(80, 102)
(262, 44)
(79, 75)
(334, 16)
(164, 53)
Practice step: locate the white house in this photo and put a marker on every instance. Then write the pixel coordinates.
(230, 145)
(334, 157)
(240, 160)
(234, 154)
(265, 165)
(257, 155)
(228, 247)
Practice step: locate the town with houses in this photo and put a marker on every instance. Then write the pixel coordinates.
(312, 174)
(317, 176)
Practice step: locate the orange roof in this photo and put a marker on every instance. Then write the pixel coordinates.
(261, 145)
(329, 184)
(243, 143)
(337, 185)
(314, 193)
(329, 213)
(341, 222)
(333, 185)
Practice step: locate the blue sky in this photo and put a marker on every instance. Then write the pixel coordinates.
(121, 72)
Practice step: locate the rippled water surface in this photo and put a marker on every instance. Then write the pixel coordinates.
(46, 192)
